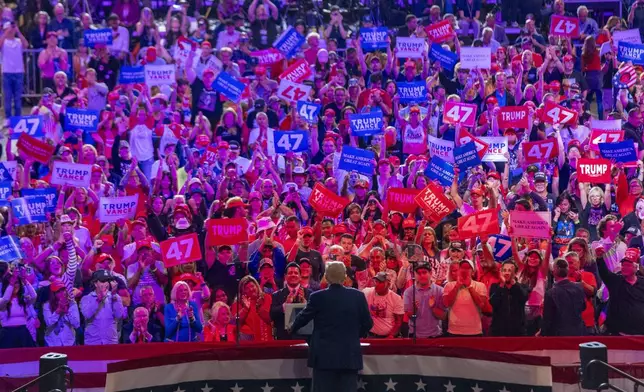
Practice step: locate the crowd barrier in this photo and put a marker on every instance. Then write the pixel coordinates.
(32, 82)
(90, 363)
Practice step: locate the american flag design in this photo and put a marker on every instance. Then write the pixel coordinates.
(625, 77)
(91, 365)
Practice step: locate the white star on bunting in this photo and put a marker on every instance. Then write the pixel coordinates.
(297, 387)
(503, 390)
(206, 389)
(449, 387)
(391, 386)
(179, 390)
(267, 388)
(236, 388)
(476, 388)
(420, 385)
(361, 384)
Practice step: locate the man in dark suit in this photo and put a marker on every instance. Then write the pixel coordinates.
(563, 305)
(340, 318)
(294, 293)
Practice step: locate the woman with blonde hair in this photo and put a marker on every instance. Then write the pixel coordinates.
(593, 207)
(254, 308)
(219, 328)
(182, 317)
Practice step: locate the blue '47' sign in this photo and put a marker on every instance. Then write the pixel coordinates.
(308, 111)
(31, 125)
(296, 141)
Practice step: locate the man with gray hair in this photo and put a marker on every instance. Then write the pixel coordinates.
(340, 318)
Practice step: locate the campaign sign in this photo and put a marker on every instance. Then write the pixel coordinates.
(480, 223)
(112, 209)
(513, 117)
(29, 125)
(624, 152)
(74, 174)
(497, 148)
(441, 148)
(440, 32)
(447, 58)
(593, 170)
(564, 26)
(297, 72)
(86, 120)
(631, 36)
(472, 58)
(185, 48)
(97, 37)
(374, 38)
(267, 56)
(365, 124)
(630, 52)
(180, 250)
(356, 159)
(433, 201)
(326, 202)
(51, 194)
(464, 137)
(230, 87)
(604, 136)
(543, 150)
(308, 111)
(227, 231)
(6, 189)
(402, 200)
(530, 224)
(410, 47)
(440, 170)
(8, 170)
(30, 210)
(412, 91)
(292, 92)
(285, 141)
(457, 112)
(466, 156)
(210, 155)
(10, 249)
(501, 246)
(556, 114)
(132, 75)
(159, 75)
(289, 42)
(40, 151)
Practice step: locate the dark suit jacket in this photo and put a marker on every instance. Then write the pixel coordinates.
(562, 308)
(340, 318)
(277, 313)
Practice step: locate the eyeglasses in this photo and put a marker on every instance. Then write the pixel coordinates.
(307, 235)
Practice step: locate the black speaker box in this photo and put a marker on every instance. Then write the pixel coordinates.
(596, 374)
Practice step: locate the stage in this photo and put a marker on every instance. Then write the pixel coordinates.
(446, 365)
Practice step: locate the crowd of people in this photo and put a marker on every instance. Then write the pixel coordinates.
(195, 157)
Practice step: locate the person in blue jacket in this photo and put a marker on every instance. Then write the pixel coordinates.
(182, 317)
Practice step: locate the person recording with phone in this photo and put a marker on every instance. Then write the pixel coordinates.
(16, 309)
(102, 308)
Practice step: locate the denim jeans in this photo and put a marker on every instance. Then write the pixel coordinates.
(146, 168)
(12, 90)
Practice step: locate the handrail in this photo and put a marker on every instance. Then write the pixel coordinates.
(33, 382)
(638, 383)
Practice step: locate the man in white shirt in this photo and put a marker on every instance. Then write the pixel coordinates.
(120, 38)
(12, 42)
(385, 306)
(229, 37)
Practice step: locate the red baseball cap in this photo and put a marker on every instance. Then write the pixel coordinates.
(306, 230)
(632, 255)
